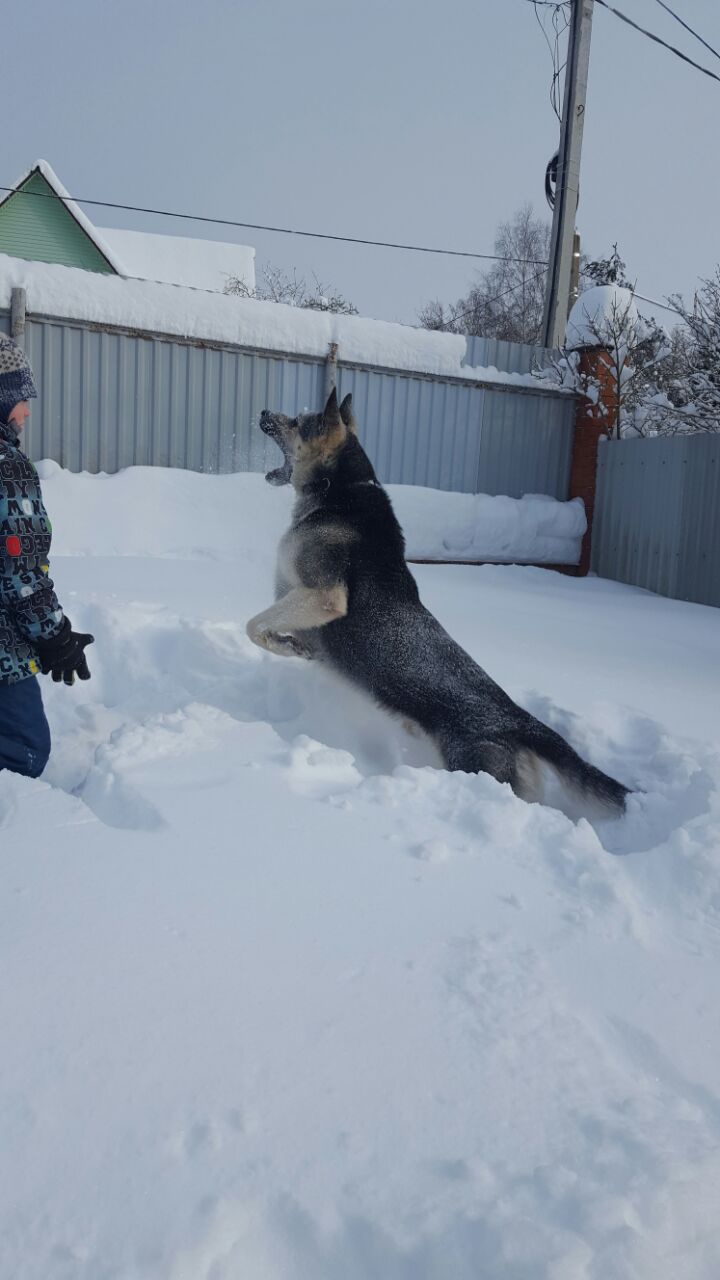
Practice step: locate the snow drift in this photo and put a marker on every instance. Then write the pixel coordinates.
(144, 510)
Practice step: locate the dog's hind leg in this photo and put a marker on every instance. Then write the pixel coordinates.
(280, 627)
(473, 756)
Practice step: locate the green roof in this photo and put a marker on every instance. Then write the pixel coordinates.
(36, 224)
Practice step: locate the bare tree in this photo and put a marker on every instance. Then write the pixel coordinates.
(507, 299)
(694, 391)
(281, 286)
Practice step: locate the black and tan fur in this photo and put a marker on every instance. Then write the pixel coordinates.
(344, 594)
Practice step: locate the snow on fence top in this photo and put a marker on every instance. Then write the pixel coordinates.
(72, 294)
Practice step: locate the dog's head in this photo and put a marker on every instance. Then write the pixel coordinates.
(308, 442)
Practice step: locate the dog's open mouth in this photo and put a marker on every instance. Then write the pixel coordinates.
(283, 474)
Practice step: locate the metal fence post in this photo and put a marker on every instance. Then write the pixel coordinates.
(330, 370)
(18, 302)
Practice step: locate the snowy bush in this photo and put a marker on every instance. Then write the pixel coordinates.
(662, 383)
(280, 286)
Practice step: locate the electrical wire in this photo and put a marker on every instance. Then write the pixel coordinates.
(256, 226)
(560, 23)
(687, 27)
(489, 302)
(654, 302)
(657, 40)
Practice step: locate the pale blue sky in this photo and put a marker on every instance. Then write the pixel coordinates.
(416, 120)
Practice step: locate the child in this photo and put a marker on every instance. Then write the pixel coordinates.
(35, 635)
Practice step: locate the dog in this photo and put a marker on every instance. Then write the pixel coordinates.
(345, 595)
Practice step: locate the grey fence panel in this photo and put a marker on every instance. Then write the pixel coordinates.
(657, 516)
(508, 357)
(700, 531)
(417, 430)
(638, 513)
(525, 444)
(111, 398)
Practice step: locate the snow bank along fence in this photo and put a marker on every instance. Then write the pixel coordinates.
(113, 397)
(657, 515)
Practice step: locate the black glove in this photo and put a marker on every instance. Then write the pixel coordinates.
(64, 654)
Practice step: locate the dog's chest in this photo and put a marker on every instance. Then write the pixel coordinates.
(286, 574)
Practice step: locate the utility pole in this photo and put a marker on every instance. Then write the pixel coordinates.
(574, 273)
(557, 290)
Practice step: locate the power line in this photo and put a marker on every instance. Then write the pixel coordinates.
(488, 302)
(560, 23)
(664, 43)
(687, 27)
(462, 315)
(654, 302)
(286, 231)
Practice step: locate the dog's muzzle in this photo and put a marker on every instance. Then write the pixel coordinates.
(268, 423)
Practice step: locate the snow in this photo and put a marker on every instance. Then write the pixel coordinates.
(72, 294)
(182, 260)
(98, 515)
(281, 1000)
(466, 526)
(606, 308)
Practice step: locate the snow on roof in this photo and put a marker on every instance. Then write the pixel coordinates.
(50, 176)
(599, 310)
(198, 264)
(72, 294)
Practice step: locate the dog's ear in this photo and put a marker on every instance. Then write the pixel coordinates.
(331, 415)
(347, 414)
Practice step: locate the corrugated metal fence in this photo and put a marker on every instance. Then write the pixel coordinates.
(657, 516)
(112, 399)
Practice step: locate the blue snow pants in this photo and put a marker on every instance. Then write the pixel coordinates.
(24, 730)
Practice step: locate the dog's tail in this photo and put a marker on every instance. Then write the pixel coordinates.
(588, 786)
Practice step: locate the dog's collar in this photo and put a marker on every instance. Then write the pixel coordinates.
(321, 488)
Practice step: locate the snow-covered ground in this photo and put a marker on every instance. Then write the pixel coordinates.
(281, 1001)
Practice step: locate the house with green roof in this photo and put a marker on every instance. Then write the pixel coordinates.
(41, 223)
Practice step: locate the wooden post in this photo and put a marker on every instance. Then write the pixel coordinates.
(18, 301)
(330, 370)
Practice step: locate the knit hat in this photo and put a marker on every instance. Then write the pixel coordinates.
(16, 379)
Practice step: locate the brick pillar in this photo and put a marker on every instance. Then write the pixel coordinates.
(591, 422)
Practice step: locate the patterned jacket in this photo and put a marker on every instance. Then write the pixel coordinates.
(29, 608)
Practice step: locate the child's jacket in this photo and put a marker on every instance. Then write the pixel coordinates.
(29, 608)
